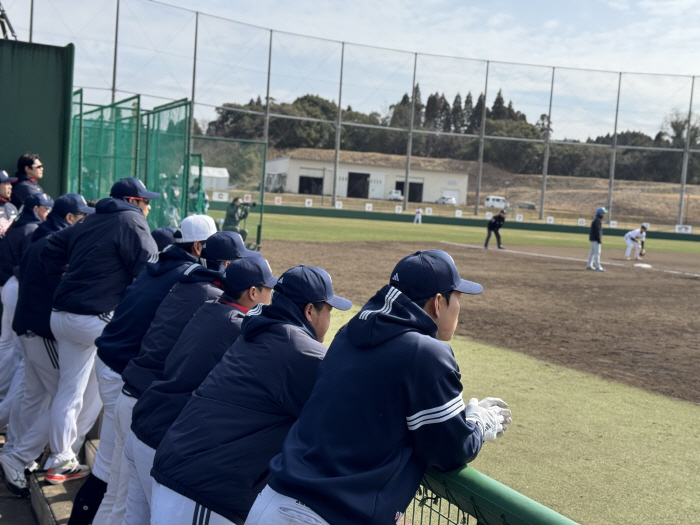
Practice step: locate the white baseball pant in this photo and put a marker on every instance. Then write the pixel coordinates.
(632, 244)
(76, 336)
(594, 255)
(10, 351)
(13, 399)
(139, 457)
(273, 508)
(171, 508)
(41, 384)
(113, 506)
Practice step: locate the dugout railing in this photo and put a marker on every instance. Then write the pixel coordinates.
(466, 496)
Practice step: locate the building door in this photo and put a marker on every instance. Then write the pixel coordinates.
(358, 185)
(415, 190)
(311, 185)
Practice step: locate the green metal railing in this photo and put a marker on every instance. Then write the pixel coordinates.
(466, 496)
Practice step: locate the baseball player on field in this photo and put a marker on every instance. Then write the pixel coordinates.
(595, 235)
(101, 256)
(245, 407)
(387, 403)
(121, 338)
(214, 328)
(28, 431)
(635, 239)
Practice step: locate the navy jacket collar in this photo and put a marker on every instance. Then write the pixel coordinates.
(281, 311)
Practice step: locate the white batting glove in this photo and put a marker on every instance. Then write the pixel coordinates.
(489, 416)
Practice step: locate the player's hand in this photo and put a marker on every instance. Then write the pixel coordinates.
(489, 402)
(492, 420)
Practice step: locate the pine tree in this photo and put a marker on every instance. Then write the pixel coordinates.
(458, 115)
(475, 120)
(445, 115)
(468, 111)
(419, 107)
(499, 111)
(432, 112)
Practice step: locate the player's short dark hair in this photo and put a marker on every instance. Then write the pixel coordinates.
(317, 306)
(423, 302)
(187, 246)
(240, 294)
(26, 161)
(235, 199)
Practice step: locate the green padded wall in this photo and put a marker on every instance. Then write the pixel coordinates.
(36, 86)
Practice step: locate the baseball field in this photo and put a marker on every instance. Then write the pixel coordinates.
(601, 370)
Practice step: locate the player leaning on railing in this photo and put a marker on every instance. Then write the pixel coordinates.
(387, 403)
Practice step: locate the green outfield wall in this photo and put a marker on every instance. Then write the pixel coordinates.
(36, 89)
(454, 221)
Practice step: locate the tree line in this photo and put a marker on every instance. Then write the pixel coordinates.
(462, 117)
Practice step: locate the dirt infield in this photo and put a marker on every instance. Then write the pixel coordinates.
(639, 327)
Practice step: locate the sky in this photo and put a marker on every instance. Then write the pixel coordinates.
(156, 51)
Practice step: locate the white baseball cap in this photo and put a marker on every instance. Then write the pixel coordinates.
(195, 228)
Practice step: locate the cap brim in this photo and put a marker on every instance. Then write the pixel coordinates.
(271, 282)
(469, 287)
(250, 253)
(86, 209)
(341, 303)
(150, 195)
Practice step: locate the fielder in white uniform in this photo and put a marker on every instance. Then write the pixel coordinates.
(635, 239)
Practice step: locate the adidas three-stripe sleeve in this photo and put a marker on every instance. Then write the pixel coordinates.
(441, 436)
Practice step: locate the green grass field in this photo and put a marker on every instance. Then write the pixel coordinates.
(325, 229)
(596, 451)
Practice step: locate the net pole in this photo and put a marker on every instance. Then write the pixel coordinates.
(686, 148)
(338, 128)
(266, 130)
(545, 163)
(482, 132)
(114, 63)
(409, 145)
(614, 150)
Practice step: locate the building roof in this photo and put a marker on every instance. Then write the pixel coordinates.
(382, 160)
(210, 171)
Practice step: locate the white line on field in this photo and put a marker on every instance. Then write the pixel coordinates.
(675, 272)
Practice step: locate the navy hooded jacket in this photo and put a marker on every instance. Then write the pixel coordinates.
(205, 339)
(22, 188)
(121, 339)
(104, 254)
(197, 285)
(217, 451)
(16, 241)
(387, 403)
(36, 289)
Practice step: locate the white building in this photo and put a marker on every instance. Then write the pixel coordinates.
(367, 175)
(212, 178)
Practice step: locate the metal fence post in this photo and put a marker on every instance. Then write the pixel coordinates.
(481, 143)
(266, 130)
(409, 145)
(684, 169)
(547, 133)
(194, 67)
(614, 151)
(31, 21)
(116, 46)
(338, 129)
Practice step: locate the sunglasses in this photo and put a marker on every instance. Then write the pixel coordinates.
(35, 166)
(145, 201)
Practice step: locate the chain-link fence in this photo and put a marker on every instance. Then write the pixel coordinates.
(632, 139)
(122, 140)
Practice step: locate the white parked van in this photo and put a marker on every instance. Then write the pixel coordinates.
(496, 201)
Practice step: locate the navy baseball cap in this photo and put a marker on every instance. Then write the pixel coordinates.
(71, 203)
(164, 236)
(308, 284)
(227, 246)
(38, 199)
(131, 187)
(4, 177)
(245, 272)
(423, 274)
